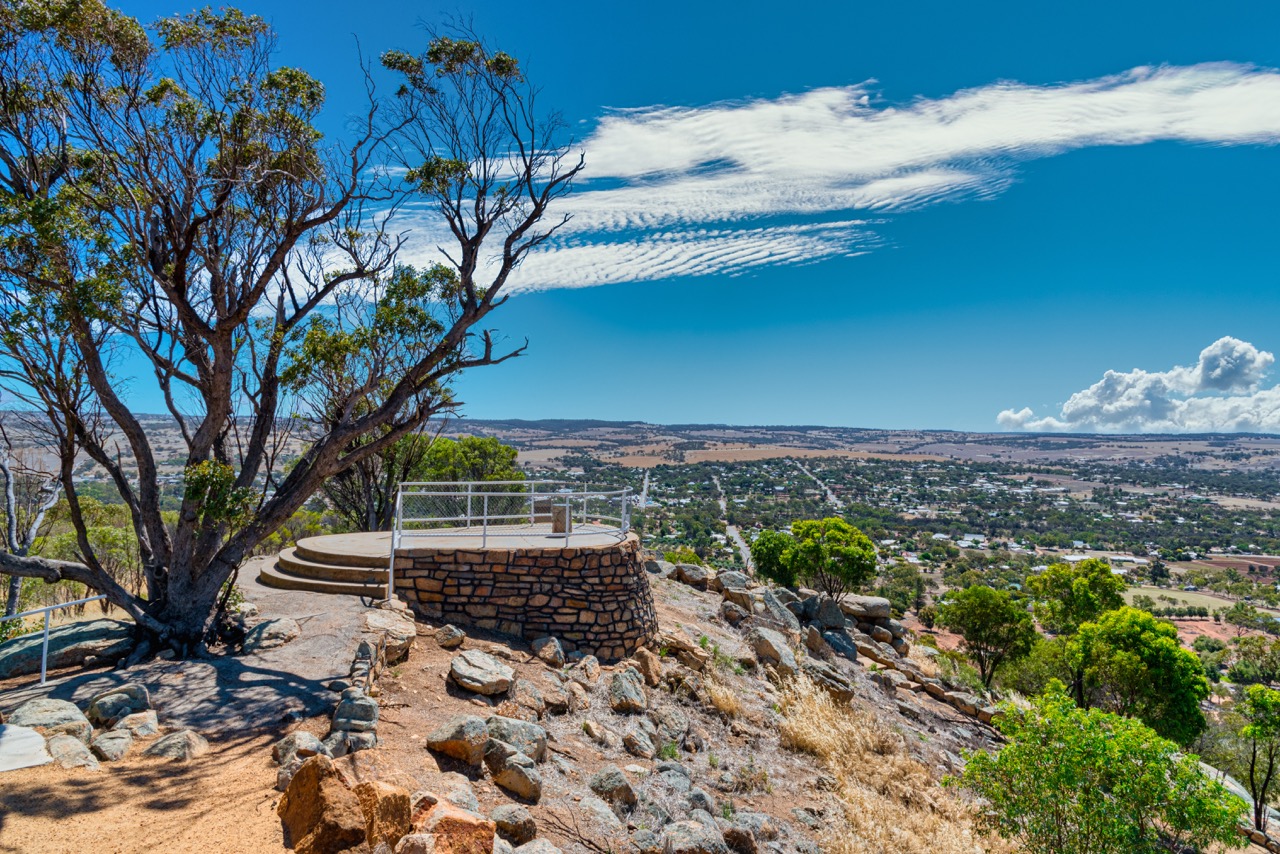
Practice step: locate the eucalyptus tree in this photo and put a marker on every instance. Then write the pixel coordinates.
(167, 196)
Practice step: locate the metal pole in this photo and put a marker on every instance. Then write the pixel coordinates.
(44, 649)
(484, 536)
(469, 485)
(395, 541)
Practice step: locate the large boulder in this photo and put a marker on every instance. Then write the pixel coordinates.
(69, 646)
(111, 706)
(771, 647)
(179, 746)
(549, 651)
(650, 666)
(693, 837)
(529, 738)
(111, 745)
(21, 747)
(692, 575)
(355, 713)
(828, 614)
(270, 634)
(450, 637)
(386, 811)
(512, 770)
(866, 607)
(779, 612)
(626, 692)
(300, 743)
(320, 814)
(70, 752)
(613, 787)
(730, 580)
(53, 716)
(462, 737)
(480, 672)
(140, 724)
(398, 632)
(449, 829)
(828, 677)
(514, 823)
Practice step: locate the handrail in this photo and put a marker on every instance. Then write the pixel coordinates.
(46, 610)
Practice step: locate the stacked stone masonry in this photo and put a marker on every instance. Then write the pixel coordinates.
(595, 599)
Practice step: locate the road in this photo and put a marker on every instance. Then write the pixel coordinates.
(831, 496)
(732, 530)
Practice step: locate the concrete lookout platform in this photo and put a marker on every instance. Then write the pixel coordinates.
(590, 591)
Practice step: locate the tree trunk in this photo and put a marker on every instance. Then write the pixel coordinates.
(15, 590)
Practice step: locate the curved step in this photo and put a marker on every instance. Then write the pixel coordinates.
(328, 549)
(294, 564)
(273, 576)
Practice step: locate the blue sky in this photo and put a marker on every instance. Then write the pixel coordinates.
(1012, 252)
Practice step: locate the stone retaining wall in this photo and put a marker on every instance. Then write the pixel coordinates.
(595, 599)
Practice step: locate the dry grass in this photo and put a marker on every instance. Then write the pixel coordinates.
(891, 801)
(724, 697)
(928, 666)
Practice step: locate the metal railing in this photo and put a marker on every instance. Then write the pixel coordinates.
(44, 644)
(494, 510)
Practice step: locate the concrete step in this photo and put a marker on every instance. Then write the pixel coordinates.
(282, 579)
(336, 550)
(294, 564)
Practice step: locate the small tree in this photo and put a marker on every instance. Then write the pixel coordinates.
(1244, 617)
(995, 628)
(1067, 595)
(1260, 734)
(771, 553)
(832, 555)
(1071, 781)
(1133, 665)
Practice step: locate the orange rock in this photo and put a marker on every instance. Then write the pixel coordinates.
(456, 831)
(386, 811)
(320, 814)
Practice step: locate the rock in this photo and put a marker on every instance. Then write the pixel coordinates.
(832, 680)
(320, 814)
(585, 671)
(779, 612)
(527, 696)
(693, 837)
(514, 823)
(341, 743)
(549, 651)
(53, 716)
(450, 637)
(386, 810)
(111, 745)
(301, 743)
(731, 580)
(740, 838)
(626, 692)
(355, 713)
(895, 628)
(480, 672)
(813, 640)
(105, 641)
(741, 597)
(829, 616)
(140, 724)
(646, 842)
(600, 816)
(670, 723)
(270, 634)
(880, 634)
(771, 648)
(692, 575)
(732, 613)
(464, 797)
(579, 699)
(462, 737)
(638, 743)
(901, 646)
(529, 738)
(964, 702)
(398, 632)
(107, 708)
(785, 596)
(538, 846)
(512, 770)
(614, 788)
(182, 746)
(556, 699)
(452, 829)
(866, 607)
(649, 665)
(70, 752)
(601, 735)
(21, 747)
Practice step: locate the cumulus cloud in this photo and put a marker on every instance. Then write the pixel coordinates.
(1222, 392)
(776, 181)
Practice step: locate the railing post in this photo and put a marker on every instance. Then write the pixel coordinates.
(395, 541)
(484, 536)
(469, 487)
(44, 649)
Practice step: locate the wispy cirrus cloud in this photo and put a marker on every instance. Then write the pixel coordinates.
(1222, 392)
(728, 187)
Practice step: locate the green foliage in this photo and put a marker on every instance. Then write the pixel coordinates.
(212, 492)
(903, 585)
(1245, 617)
(832, 555)
(469, 458)
(928, 616)
(1260, 733)
(770, 552)
(669, 750)
(1073, 781)
(994, 627)
(1032, 674)
(682, 554)
(1068, 595)
(1131, 663)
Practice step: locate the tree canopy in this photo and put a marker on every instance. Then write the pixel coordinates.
(1068, 595)
(995, 628)
(829, 554)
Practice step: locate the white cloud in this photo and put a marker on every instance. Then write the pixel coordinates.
(1222, 392)
(785, 176)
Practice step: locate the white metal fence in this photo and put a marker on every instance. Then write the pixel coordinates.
(492, 512)
(44, 645)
